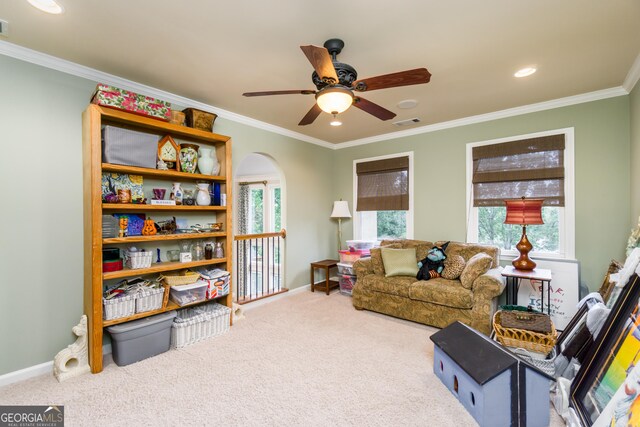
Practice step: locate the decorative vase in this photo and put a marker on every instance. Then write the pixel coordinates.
(203, 198)
(208, 162)
(188, 157)
(176, 193)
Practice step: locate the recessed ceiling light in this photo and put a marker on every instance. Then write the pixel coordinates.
(407, 103)
(335, 122)
(49, 6)
(525, 72)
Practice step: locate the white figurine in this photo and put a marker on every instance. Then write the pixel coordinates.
(73, 360)
(162, 165)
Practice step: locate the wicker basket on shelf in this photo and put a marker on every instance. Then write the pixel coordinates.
(522, 338)
(182, 278)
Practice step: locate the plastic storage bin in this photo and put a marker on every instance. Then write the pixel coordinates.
(189, 294)
(140, 339)
(217, 287)
(360, 244)
(129, 147)
(349, 257)
(344, 268)
(347, 282)
(198, 323)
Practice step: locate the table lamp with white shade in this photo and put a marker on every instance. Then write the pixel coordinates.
(340, 210)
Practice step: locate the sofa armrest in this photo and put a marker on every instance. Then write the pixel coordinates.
(489, 285)
(363, 267)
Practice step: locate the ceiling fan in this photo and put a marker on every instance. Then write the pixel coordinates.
(336, 82)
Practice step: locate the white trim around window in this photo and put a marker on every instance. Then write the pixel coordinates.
(357, 235)
(567, 214)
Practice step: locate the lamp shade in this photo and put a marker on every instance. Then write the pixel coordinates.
(340, 209)
(334, 100)
(524, 211)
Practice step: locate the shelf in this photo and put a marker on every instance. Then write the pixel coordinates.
(135, 170)
(160, 267)
(145, 208)
(112, 115)
(162, 238)
(171, 306)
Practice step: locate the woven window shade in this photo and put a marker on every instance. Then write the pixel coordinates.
(533, 168)
(383, 185)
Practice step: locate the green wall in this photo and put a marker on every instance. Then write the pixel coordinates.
(42, 248)
(41, 255)
(602, 176)
(634, 111)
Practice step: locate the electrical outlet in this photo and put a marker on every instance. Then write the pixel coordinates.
(4, 28)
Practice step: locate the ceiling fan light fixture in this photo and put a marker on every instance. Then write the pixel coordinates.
(335, 121)
(334, 99)
(525, 72)
(49, 6)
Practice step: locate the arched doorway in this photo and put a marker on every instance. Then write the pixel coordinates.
(259, 225)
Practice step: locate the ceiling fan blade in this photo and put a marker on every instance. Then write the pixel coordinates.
(373, 109)
(403, 78)
(321, 61)
(313, 113)
(280, 92)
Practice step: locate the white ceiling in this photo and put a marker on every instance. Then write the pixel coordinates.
(214, 51)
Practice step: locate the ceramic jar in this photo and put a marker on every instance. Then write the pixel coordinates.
(208, 162)
(176, 193)
(188, 157)
(203, 198)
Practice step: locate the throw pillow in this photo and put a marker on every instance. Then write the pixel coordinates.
(399, 262)
(453, 267)
(477, 265)
(376, 258)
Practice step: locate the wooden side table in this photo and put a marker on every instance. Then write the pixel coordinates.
(327, 284)
(514, 277)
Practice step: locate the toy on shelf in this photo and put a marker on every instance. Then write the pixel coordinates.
(124, 222)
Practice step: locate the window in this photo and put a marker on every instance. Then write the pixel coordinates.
(537, 165)
(264, 214)
(383, 194)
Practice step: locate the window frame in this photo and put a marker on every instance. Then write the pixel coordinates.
(272, 182)
(566, 214)
(357, 232)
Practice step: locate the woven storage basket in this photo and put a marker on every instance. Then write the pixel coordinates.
(135, 260)
(119, 307)
(531, 321)
(185, 278)
(149, 300)
(198, 323)
(521, 338)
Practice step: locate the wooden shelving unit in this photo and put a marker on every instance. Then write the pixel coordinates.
(93, 119)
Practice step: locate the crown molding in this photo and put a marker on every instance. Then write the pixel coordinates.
(68, 67)
(632, 76)
(55, 63)
(511, 112)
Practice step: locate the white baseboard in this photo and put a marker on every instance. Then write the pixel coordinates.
(26, 373)
(47, 367)
(37, 370)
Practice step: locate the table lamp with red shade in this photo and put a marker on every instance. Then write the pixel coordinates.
(524, 212)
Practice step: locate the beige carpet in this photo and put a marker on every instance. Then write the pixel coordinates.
(309, 359)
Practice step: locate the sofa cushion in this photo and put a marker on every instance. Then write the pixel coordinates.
(441, 291)
(399, 262)
(398, 285)
(453, 267)
(476, 266)
(376, 257)
(468, 250)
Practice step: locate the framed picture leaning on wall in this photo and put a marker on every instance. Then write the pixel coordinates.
(606, 389)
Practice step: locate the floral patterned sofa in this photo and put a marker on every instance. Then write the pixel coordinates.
(437, 302)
